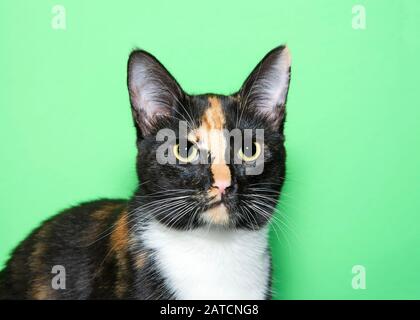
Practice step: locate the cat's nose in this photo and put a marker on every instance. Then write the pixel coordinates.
(221, 185)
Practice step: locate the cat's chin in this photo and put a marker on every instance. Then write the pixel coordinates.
(217, 214)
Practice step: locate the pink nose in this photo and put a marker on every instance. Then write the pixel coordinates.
(221, 185)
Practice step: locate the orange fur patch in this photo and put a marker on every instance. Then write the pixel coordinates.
(41, 287)
(119, 236)
(220, 172)
(41, 291)
(210, 135)
(105, 211)
(212, 124)
(119, 244)
(213, 118)
(213, 192)
(140, 260)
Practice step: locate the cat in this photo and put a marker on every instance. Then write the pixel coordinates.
(192, 230)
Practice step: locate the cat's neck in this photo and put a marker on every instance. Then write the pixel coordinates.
(211, 263)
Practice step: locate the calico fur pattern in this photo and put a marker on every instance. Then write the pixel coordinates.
(135, 249)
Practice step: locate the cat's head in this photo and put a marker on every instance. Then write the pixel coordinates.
(209, 159)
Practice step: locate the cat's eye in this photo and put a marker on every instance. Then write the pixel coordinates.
(250, 153)
(189, 153)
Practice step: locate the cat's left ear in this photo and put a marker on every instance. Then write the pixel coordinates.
(265, 90)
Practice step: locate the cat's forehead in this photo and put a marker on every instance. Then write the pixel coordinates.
(212, 111)
(211, 116)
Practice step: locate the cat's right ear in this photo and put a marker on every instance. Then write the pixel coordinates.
(154, 93)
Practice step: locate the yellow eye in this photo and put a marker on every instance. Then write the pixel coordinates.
(189, 154)
(248, 154)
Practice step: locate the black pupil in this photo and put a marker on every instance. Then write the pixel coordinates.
(249, 150)
(187, 150)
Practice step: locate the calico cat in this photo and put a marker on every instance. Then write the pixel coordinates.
(192, 230)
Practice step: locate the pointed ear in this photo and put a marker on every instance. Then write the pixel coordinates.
(265, 90)
(154, 93)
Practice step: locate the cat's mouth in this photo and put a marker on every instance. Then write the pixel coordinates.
(215, 204)
(216, 213)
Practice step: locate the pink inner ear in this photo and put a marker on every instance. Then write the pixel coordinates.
(276, 84)
(153, 91)
(146, 96)
(271, 83)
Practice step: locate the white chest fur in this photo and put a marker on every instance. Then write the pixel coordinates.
(211, 264)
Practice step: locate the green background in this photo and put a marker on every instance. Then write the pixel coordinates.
(353, 131)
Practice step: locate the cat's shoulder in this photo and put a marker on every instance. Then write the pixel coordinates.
(82, 220)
